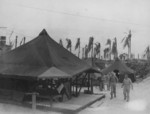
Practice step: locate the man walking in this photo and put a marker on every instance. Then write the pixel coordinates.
(112, 82)
(127, 83)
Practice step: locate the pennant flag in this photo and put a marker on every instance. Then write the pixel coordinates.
(114, 48)
(98, 46)
(11, 44)
(69, 44)
(83, 52)
(86, 51)
(24, 40)
(16, 41)
(108, 42)
(77, 44)
(91, 39)
(106, 51)
(21, 41)
(60, 42)
(95, 53)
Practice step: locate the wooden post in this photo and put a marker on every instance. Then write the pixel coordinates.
(76, 87)
(16, 41)
(83, 53)
(34, 101)
(79, 51)
(70, 87)
(88, 82)
(110, 52)
(91, 85)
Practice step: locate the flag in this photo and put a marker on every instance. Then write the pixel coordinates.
(97, 49)
(98, 46)
(108, 42)
(69, 44)
(16, 41)
(95, 53)
(83, 52)
(60, 42)
(130, 34)
(91, 39)
(86, 51)
(11, 44)
(21, 41)
(77, 44)
(106, 51)
(114, 48)
(24, 40)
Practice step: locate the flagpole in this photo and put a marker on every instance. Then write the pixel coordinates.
(16, 42)
(70, 49)
(92, 54)
(24, 40)
(79, 52)
(82, 53)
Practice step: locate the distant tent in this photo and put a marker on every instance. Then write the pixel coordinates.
(40, 57)
(120, 66)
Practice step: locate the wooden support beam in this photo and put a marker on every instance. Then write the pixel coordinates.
(91, 85)
(70, 87)
(34, 94)
(82, 83)
(76, 87)
(88, 82)
(34, 101)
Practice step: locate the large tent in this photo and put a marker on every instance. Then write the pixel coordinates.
(40, 57)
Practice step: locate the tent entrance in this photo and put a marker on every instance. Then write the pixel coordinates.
(117, 73)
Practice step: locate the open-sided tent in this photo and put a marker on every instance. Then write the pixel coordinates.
(42, 57)
(38, 56)
(120, 66)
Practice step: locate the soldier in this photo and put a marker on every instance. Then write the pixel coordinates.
(127, 83)
(112, 82)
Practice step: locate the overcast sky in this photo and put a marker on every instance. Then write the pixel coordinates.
(101, 19)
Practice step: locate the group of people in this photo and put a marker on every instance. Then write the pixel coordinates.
(111, 80)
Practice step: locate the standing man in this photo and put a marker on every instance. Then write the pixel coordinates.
(112, 82)
(127, 83)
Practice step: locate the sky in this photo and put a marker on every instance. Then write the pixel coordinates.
(63, 19)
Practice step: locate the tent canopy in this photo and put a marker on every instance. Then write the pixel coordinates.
(41, 57)
(53, 72)
(117, 65)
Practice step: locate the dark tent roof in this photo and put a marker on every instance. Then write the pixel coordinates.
(39, 55)
(117, 65)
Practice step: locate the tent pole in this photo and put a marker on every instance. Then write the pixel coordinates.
(76, 87)
(91, 85)
(70, 87)
(34, 101)
(88, 82)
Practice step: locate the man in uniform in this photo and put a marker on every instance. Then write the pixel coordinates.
(112, 82)
(127, 83)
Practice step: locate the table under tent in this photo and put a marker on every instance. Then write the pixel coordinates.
(120, 68)
(38, 68)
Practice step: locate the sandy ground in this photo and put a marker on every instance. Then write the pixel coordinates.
(139, 101)
(12, 109)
